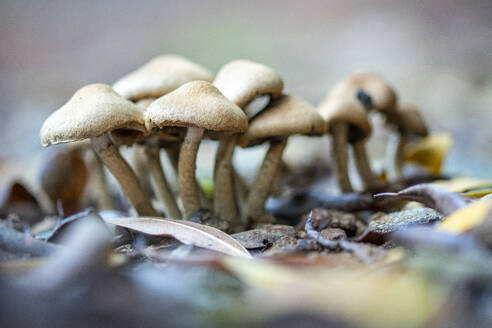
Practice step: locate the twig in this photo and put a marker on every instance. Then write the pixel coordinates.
(19, 243)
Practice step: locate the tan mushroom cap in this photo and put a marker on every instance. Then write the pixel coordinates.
(160, 76)
(411, 120)
(383, 96)
(285, 116)
(196, 104)
(348, 111)
(92, 111)
(243, 80)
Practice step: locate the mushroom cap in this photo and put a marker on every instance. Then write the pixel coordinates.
(142, 104)
(350, 112)
(285, 116)
(411, 121)
(243, 80)
(196, 104)
(92, 111)
(159, 76)
(383, 96)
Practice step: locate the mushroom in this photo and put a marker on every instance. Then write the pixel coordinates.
(370, 89)
(409, 124)
(285, 116)
(93, 112)
(154, 79)
(160, 76)
(198, 106)
(242, 81)
(251, 86)
(348, 123)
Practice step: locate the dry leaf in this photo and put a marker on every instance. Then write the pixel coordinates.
(430, 152)
(364, 295)
(431, 195)
(186, 232)
(467, 218)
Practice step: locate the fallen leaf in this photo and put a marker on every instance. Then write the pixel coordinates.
(465, 219)
(186, 232)
(430, 152)
(461, 184)
(364, 295)
(431, 195)
(381, 224)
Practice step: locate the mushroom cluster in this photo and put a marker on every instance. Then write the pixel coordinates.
(172, 104)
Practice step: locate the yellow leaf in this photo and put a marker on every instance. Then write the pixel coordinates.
(370, 296)
(466, 218)
(466, 185)
(429, 152)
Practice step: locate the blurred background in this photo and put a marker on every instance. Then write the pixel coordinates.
(438, 54)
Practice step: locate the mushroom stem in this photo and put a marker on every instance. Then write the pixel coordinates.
(395, 155)
(225, 204)
(140, 167)
(241, 190)
(160, 183)
(188, 186)
(363, 166)
(260, 191)
(173, 154)
(103, 195)
(340, 133)
(124, 174)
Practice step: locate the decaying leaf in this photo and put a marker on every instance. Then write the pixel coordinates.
(385, 223)
(431, 195)
(383, 296)
(466, 218)
(430, 152)
(470, 187)
(184, 231)
(16, 198)
(64, 177)
(266, 235)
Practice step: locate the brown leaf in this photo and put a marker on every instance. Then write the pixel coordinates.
(17, 199)
(64, 177)
(186, 232)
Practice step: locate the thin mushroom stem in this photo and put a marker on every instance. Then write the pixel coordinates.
(161, 186)
(173, 155)
(261, 189)
(395, 155)
(340, 134)
(124, 174)
(363, 166)
(140, 167)
(103, 195)
(188, 186)
(225, 203)
(241, 189)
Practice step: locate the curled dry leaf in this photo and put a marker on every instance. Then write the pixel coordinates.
(299, 203)
(433, 196)
(186, 232)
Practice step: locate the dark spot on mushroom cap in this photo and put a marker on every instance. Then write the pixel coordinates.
(364, 98)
